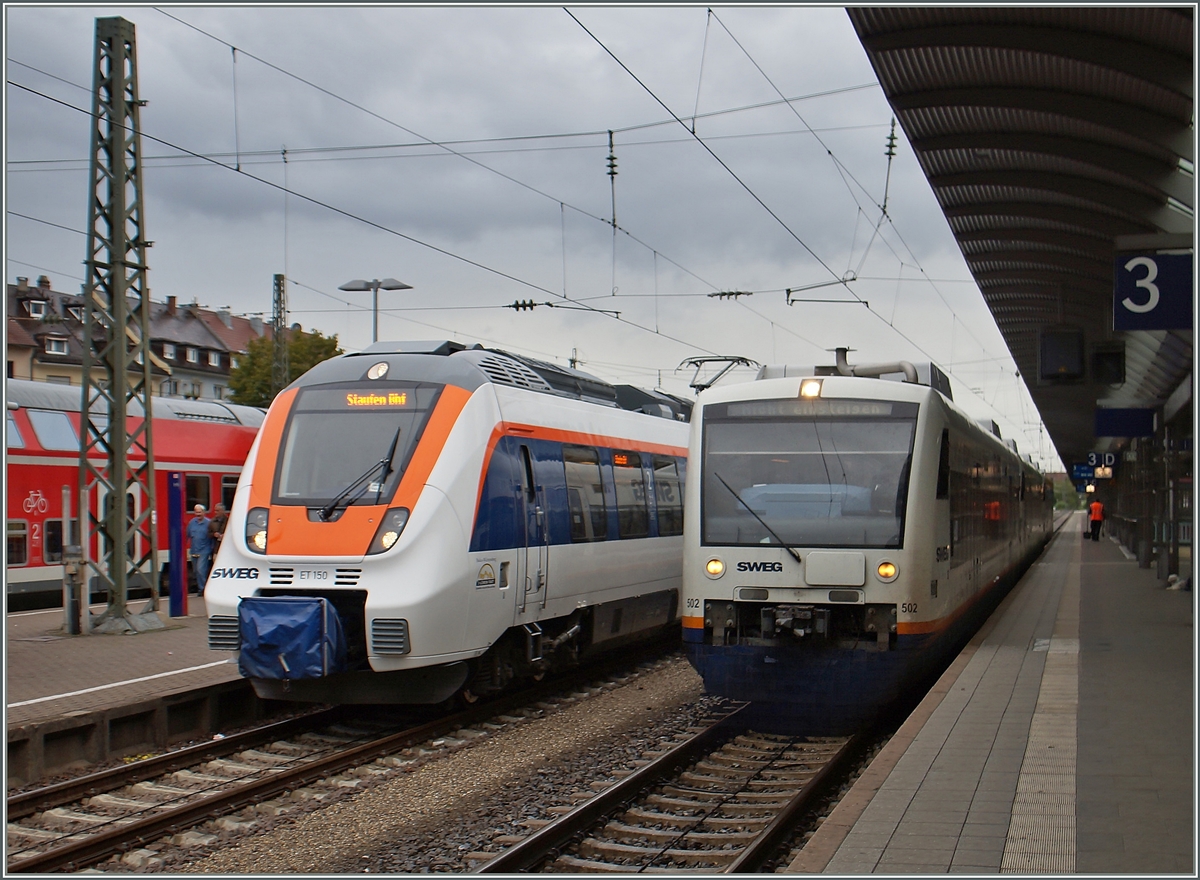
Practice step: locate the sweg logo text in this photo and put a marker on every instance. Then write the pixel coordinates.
(244, 574)
(760, 566)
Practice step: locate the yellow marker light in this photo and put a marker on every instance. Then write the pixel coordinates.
(810, 388)
(389, 538)
(886, 570)
(715, 568)
(260, 541)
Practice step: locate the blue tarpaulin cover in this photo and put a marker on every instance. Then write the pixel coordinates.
(289, 637)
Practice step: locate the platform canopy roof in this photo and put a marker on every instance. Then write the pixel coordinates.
(1055, 139)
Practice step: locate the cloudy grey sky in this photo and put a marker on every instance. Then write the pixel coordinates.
(464, 150)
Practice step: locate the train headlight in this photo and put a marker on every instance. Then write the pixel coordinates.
(256, 530)
(389, 530)
(810, 388)
(714, 568)
(886, 571)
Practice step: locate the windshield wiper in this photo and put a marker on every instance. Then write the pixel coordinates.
(384, 463)
(788, 547)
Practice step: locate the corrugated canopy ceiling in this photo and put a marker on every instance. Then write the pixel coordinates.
(1046, 133)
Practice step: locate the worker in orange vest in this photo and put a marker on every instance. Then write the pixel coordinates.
(1096, 515)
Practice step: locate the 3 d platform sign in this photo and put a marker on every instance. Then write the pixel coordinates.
(1152, 292)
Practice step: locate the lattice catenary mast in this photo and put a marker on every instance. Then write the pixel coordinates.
(116, 350)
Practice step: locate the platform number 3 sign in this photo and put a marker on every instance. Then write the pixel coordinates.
(1153, 292)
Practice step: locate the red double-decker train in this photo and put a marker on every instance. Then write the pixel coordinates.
(206, 440)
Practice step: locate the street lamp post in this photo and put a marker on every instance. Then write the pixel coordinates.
(373, 286)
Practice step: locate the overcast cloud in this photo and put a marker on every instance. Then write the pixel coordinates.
(518, 205)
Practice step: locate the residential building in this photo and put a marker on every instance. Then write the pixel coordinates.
(198, 347)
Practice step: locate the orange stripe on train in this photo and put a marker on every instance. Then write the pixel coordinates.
(534, 432)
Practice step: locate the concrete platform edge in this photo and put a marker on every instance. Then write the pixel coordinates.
(39, 749)
(821, 847)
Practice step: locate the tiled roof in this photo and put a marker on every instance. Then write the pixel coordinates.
(236, 337)
(19, 336)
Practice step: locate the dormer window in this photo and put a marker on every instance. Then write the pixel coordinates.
(169, 351)
(214, 358)
(193, 355)
(55, 345)
(76, 312)
(37, 308)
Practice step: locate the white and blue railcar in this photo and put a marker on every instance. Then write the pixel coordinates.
(845, 533)
(428, 519)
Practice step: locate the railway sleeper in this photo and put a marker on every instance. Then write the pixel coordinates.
(73, 820)
(160, 791)
(635, 855)
(33, 834)
(713, 782)
(672, 796)
(637, 814)
(116, 802)
(575, 865)
(618, 831)
(198, 780)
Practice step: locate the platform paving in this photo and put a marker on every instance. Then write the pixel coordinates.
(1059, 741)
(49, 674)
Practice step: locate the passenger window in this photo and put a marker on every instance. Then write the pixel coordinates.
(633, 512)
(198, 488)
(18, 542)
(54, 430)
(228, 489)
(668, 495)
(585, 494)
(13, 438)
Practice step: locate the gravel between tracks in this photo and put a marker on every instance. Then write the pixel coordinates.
(427, 820)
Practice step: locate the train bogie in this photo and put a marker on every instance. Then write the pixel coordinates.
(533, 521)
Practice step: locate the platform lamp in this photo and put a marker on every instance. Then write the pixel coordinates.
(374, 286)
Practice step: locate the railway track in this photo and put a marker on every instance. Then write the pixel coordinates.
(720, 801)
(238, 781)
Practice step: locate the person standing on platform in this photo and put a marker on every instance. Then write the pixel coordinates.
(216, 526)
(1096, 515)
(200, 546)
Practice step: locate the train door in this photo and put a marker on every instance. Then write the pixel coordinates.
(534, 557)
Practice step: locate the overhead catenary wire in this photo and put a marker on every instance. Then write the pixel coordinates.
(843, 282)
(379, 226)
(562, 205)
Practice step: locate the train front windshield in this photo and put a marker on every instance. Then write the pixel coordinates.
(809, 473)
(340, 434)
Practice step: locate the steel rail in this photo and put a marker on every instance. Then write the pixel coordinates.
(756, 853)
(82, 853)
(532, 850)
(27, 803)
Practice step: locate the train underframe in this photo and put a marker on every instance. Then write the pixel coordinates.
(825, 669)
(523, 653)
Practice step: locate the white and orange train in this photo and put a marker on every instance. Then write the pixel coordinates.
(844, 533)
(421, 520)
(206, 440)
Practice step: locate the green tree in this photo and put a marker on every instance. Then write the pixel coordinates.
(250, 380)
(1065, 496)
